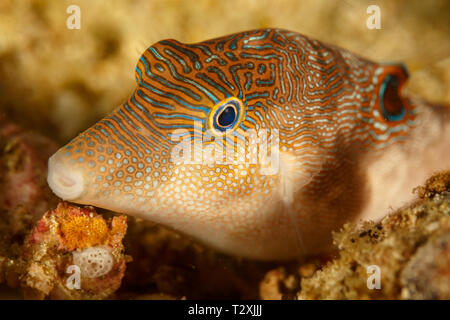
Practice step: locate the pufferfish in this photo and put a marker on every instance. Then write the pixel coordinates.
(258, 144)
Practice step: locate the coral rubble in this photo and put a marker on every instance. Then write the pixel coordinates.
(72, 242)
(410, 248)
(24, 194)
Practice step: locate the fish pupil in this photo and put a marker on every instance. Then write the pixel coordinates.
(392, 104)
(227, 116)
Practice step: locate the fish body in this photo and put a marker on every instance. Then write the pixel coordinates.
(259, 143)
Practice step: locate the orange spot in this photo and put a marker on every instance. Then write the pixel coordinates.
(83, 232)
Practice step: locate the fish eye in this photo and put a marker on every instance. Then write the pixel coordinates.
(391, 102)
(226, 115)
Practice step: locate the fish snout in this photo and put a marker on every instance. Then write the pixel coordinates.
(66, 181)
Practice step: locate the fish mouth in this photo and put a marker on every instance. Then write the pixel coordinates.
(65, 181)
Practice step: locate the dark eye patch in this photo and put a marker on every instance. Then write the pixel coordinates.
(391, 103)
(227, 116)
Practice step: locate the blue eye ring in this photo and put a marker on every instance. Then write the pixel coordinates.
(226, 116)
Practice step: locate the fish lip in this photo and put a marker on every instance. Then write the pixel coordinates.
(65, 181)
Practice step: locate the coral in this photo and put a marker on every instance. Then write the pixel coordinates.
(411, 248)
(275, 284)
(24, 194)
(427, 274)
(83, 232)
(94, 262)
(60, 262)
(437, 183)
(23, 174)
